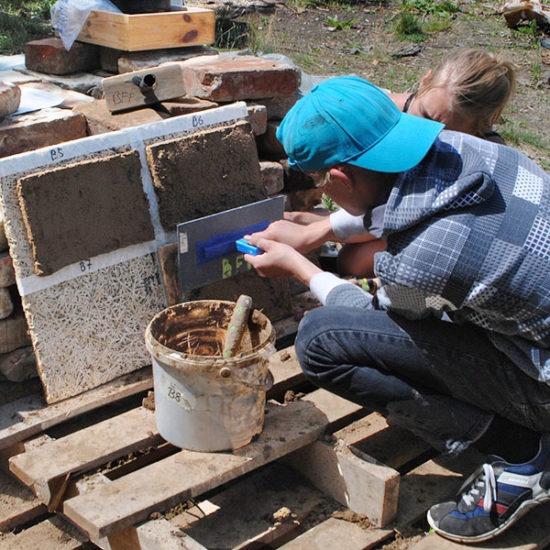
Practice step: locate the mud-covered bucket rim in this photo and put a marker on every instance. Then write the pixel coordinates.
(174, 358)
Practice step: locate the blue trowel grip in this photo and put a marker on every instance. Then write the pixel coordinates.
(224, 245)
(247, 248)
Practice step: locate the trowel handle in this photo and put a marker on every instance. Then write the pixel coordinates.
(237, 324)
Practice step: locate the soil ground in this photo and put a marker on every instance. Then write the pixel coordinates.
(360, 38)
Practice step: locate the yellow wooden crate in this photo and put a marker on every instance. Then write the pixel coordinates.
(149, 31)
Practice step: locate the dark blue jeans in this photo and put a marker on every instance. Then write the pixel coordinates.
(442, 381)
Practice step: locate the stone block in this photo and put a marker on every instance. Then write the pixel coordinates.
(185, 105)
(257, 116)
(7, 275)
(50, 56)
(277, 107)
(18, 365)
(100, 120)
(209, 171)
(236, 77)
(268, 144)
(272, 177)
(40, 129)
(100, 206)
(10, 95)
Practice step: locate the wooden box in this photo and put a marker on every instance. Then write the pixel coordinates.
(149, 31)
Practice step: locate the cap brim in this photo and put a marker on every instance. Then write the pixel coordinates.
(403, 147)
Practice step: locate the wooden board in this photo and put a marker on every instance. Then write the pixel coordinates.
(150, 31)
(144, 87)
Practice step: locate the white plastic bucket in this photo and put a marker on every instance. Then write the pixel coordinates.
(203, 401)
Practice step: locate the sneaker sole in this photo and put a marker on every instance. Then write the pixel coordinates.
(521, 511)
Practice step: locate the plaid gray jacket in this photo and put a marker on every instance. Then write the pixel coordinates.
(468, 233)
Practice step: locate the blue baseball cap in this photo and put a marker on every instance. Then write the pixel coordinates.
(349, 120)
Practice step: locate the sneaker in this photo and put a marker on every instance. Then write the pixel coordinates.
(494, 497)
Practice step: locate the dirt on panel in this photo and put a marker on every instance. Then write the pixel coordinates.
(205, 173)
(85, 209)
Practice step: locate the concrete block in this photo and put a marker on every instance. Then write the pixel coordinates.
(185, 105)
(257, 116)
(10, 95)
(272, 177)
(268, 144)
(40, 129)
(100, 120)
(6, 304)
(50, 56)
(18, 365)
(209, 171)
(235, 77)
(277, 107)
(100, 206)
(7, 275)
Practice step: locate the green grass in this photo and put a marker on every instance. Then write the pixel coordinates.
(408, 27)
(22, 21)
(338, 25)
(430, 6)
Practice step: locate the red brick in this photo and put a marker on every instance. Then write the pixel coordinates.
(39, 129)
(100, 120)
(235, 77)
(50, 56)
(7, 275)
(257, 116)
(185, 105)
(277, 107)
(10, 95)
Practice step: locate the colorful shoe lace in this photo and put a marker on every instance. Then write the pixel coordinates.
(493, 497)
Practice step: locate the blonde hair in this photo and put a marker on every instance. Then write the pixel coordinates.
(479, 84)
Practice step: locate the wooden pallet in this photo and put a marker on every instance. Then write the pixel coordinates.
(107, 479)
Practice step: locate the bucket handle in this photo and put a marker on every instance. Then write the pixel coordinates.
(225, 372)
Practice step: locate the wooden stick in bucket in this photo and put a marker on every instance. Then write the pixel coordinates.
(237, 324)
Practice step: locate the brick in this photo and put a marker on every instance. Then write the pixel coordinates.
(272, 177)
(268, 144)
(3, 238)
(14, 333)
(134, 61)
(6, 305)
(100, 120)
(277, 107)
(50, 56)
(40, 129)
(7, 275)
(185, 105)
(209, 171)
(10, 95)
(257, 116)
(235, 77)
(18, 365)
(100, 206)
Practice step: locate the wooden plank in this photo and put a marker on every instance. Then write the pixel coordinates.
(338, 410)
(51, 533)
(17, 503)
(151, 31)
(143, 87)
(46, 469)
(338, 533)
(286, 370)
(254, 511)
(531, 532)
(359, 482)
(186, 474)
(30, 415)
